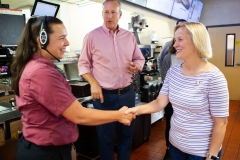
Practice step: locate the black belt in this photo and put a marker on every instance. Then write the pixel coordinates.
(118, 91)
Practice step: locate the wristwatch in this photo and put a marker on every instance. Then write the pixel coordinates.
(212, 157)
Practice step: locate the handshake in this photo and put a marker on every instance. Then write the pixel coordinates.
(127, 115)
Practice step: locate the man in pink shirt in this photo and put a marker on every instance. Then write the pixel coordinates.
(109, 57)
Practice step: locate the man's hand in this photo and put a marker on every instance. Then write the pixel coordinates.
(96, 92)
(125, 119)
(132, 68)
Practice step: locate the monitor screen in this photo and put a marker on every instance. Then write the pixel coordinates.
(139, 2)
(11, 28)
(181, 9)
(195, 11)
(71, 71)
(190, 10)
(163, 6)
(42, 8)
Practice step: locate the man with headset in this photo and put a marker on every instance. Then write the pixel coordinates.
(109, 57)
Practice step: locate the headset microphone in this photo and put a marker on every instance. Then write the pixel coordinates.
(43, 36)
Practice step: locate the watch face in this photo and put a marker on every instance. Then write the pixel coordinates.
(212, 157)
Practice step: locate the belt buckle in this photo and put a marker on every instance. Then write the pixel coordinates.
(119, 91)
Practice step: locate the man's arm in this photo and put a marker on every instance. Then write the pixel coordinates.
(85, 67)
(96, 90)
(138, 57)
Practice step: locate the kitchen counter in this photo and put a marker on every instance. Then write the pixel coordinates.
(7, 112)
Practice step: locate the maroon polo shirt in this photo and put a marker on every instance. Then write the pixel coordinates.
(44, 95)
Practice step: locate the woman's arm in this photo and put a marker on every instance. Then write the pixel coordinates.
(218, 133)
(87, 116)
(154, 106)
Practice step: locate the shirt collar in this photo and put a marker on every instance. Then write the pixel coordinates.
(42, 59)
(109, 31)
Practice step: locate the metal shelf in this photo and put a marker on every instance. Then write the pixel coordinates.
(65, 62)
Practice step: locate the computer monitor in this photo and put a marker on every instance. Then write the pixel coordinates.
(11, 27)
(71, 71)
(43, 8)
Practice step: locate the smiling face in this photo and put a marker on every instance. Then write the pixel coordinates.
(111, 14)
(58, 41)
(183, 44)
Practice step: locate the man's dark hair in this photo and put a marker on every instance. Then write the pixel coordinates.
(180, 20)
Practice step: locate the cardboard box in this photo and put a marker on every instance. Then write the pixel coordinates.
(15, 126)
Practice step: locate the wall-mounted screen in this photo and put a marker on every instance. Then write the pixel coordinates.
(11, 28)
(195, 11)
(181, 9)
(189, 10)
(163, 6)
(139, 2)
(42, 8)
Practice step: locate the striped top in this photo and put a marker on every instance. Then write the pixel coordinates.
(195, 101)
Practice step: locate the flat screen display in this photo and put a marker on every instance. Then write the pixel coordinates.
(11, 27)
(190, 10)
(139, 2)
(42, 8)
(195, 11)
(163, 6)
(181, 9)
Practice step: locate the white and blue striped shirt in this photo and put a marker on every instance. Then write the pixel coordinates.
(195, 101)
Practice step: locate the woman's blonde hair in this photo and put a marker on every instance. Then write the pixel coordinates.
(200, 38)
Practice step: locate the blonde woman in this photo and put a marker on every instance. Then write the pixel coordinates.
(199, 95)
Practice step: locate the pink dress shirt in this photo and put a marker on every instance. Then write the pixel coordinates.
(44, 95)
(106, 55)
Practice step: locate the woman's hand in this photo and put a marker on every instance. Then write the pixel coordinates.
(132, 110)
(125, 119)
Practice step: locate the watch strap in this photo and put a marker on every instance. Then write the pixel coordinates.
(212, 156)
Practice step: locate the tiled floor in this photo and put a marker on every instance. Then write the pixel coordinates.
(154, 148)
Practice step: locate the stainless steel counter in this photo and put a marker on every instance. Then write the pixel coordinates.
(7, 112)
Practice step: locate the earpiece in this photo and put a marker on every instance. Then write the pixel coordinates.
(43, 34)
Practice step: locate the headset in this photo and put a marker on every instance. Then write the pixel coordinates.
(43, 36)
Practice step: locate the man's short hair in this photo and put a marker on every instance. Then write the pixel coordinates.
(119, 3)
(180, 20)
